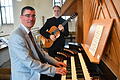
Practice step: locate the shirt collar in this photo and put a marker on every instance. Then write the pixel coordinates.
(26, 29)
(57, 17)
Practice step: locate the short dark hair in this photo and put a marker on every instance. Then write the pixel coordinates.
(26, 8)
(57, 6)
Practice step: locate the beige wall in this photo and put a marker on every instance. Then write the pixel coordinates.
(43, 8)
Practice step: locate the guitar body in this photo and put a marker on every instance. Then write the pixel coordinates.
(47, 43)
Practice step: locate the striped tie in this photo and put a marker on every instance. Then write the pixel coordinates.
(37, 50)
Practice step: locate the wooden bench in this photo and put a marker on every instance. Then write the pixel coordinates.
(5, 73)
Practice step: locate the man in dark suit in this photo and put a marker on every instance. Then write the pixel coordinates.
(59, 42)
(26, 55)
(56, 20)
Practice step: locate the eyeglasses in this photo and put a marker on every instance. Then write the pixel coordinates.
(28, 15)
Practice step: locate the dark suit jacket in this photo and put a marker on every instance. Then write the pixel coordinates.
(60, 42)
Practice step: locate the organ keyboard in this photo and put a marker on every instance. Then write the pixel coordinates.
(79, 67)
(84, 68)
(73, 69)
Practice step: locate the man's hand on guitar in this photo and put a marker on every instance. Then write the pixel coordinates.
(53, 37)
(61, 28)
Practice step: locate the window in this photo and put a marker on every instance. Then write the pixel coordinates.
(58, 2)
(65, 17)
(6, 12)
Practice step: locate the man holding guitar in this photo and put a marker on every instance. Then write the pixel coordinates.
(60, 31)
(58, 38)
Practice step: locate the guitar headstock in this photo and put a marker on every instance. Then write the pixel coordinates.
(73, 15)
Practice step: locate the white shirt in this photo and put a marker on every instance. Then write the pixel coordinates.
(26, 29)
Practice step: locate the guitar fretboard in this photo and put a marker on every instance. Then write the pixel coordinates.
(66, 21)
(73, 16)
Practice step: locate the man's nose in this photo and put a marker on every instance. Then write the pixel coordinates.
(31, 17)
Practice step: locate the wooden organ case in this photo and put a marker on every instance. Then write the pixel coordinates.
(84, 60)
(95, 10)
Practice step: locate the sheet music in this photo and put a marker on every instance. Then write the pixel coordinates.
(96, 39)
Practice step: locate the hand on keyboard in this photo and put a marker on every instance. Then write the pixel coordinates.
(61, 64)
(61, 71)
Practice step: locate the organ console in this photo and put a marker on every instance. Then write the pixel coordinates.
(81, 63)
(79, 66)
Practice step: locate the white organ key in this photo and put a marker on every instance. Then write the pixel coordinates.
(84, 68)
(64, 76)
(73, 69)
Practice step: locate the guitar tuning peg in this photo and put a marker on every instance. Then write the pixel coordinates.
(76, 13)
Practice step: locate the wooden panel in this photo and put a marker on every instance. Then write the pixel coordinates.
(91, 7)
(98, 12)
(101, 16)
(117, 6)
(69, 8)
(5, 73)
(113, 58)
(66, 10)
(112, 54)
(113, 14)
(116, 41)
(79, 29)
(116, 46)
(105, 11)
(72, 9)
(119, 72)
(117, 27)
(107, 23)
(86, 19)
(110, 60)
(95, 10)
(111, 8)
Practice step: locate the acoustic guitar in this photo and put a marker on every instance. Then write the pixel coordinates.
(47, 43)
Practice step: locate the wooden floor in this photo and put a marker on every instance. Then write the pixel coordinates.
(5, 71)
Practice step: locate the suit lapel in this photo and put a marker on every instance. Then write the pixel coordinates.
(29, 43)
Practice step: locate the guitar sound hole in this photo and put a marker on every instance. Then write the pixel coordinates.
(53, 33)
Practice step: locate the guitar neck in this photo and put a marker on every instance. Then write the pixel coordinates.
(54, 32)
(71, 17)
(65, 21)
